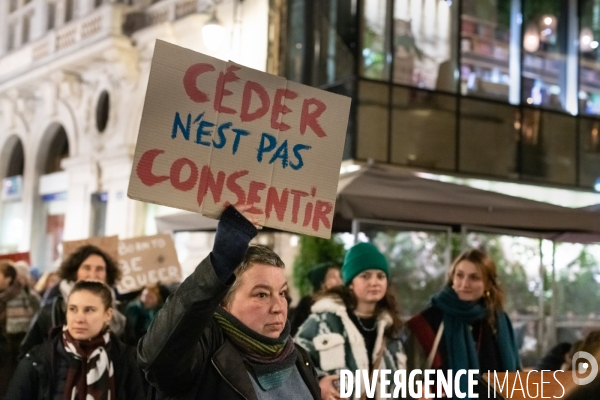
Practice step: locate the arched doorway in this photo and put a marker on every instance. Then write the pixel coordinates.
(12, 166)
(52, 195)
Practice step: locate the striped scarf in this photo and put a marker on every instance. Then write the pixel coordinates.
(20, 308)
(93, 378)
(271, 361)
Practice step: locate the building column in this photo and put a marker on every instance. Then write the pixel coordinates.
(124, 217)
(83, 182)
(31, 205)
(39, 22)
(3, 27)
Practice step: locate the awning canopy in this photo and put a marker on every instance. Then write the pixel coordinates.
(185, 221)
(384, 194)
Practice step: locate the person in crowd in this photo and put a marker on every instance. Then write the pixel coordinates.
(142, 311)
(86, 263)
(591, 345)
(567, 362)
(17, 308)
(82, 360)
(322, 277)
(465, 327)
(355, 326)
(23, 274)
(224, 333)
(45, 285)
(555, 358)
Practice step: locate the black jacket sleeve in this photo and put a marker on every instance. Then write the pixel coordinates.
(301, 314)
(134, 381)
(170, 353)
(25, 382)
(38, 330)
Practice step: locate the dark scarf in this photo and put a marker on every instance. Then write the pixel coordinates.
(458, 338)
(93, 376)
(271, 361)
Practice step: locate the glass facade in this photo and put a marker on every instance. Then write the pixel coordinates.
(489, 31)
(423, 54)
(321, 42)
(503, 89)
(423, 125)
(375, 37)
(589, 64)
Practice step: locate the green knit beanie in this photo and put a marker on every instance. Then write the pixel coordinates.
(362, 257)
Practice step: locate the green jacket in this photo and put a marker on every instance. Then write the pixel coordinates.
(334, 343)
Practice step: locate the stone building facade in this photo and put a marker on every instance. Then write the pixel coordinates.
(73, 76)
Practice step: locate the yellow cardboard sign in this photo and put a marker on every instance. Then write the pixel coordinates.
(215, 133)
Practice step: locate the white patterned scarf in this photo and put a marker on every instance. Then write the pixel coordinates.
(93, 377)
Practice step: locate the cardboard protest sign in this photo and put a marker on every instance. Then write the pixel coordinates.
(108, 244)
(215, 133)
(147, 260)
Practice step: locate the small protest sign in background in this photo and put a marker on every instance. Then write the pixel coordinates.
(15, 257)
(147, 260)
(215, 133)
(108, 244)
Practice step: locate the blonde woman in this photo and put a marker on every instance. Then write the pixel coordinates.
(467, 318)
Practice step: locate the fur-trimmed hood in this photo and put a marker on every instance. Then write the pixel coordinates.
(335, 305)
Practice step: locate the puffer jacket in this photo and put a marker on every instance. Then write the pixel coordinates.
(335, 343)
(41, 374)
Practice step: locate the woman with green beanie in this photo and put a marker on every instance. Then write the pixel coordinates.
(465, 327)
(355, 326)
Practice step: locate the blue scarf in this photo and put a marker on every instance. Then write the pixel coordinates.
(458, 338)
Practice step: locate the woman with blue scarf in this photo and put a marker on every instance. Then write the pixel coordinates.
(465, 327)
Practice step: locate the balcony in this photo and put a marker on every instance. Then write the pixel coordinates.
(172, 10)
(104, 22)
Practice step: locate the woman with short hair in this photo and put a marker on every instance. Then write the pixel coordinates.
(224, 333)
(82, 360)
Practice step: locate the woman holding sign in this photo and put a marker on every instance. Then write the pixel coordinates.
(355, 326)
(86, 263)
(83, 359)
(465, 327)
(224, 333)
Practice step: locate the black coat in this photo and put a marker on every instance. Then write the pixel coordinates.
(52, 314)
(185, 354)
(301, 314)
(42, 372)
